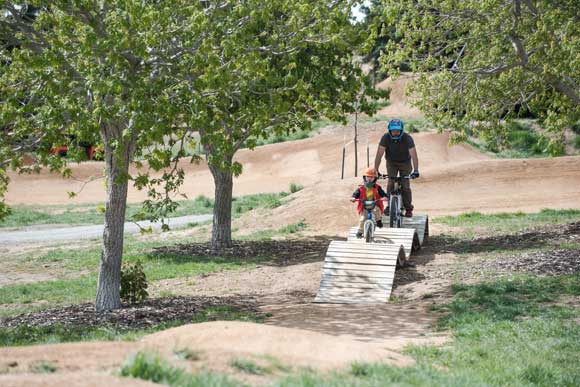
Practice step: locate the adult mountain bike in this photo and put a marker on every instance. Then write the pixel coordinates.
(396, 200)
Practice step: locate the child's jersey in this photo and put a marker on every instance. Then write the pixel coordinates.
(375, 192)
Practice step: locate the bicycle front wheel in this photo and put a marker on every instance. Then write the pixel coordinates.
(368, 231)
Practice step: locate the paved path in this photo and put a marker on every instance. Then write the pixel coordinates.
(55, 234)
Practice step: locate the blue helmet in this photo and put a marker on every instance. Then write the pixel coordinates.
(396, 124)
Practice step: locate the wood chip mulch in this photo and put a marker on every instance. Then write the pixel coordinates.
(551, 262)
(147, 314)
(282, 252)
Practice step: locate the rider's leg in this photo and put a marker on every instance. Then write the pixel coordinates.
(406, 169)
(361, 223)
(392, 170)
(378, 214)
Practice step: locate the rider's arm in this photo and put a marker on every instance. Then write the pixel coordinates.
(356, 194)
(414, 158)
(379, 156)
(382, 193)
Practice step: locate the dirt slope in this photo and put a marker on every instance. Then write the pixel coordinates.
(399, 103)
(216, 343)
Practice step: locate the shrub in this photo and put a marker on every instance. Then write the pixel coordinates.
(577, 142)
(133, 282)
(295, 187)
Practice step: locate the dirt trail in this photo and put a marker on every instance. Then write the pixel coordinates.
(453, 180)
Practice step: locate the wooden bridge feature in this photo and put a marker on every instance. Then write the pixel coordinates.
(356, 272)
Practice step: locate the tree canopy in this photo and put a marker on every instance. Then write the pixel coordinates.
(142, 77)
(481, 62)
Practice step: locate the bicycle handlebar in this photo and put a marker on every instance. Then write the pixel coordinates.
(381, 176)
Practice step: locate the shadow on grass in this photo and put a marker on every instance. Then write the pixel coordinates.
(269, 252)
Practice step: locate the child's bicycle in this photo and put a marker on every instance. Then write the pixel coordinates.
(370, 222)
(396, 201)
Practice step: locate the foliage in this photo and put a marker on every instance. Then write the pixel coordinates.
(577, 141)
(152, 367)
(249, 366)
(293, 228)
(295, 187)
(518, 139)
(133, 282)
(481, 62)
(43, 367)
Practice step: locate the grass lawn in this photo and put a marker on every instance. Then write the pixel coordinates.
(508, 332)
(75, 288)
(82, 214)
(475, 223)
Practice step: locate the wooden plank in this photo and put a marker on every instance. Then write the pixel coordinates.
(385, 256)
(360, 244)
(353, 266)
(356, 296)
(351, 300)
(358, 273)
(343, 285)
(340, 279)
(381, 254)
(390, 261)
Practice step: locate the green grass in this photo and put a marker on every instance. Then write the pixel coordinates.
(294, 228)
(26, 335)
(475, 222)
(507, 333)
(152, 367)
(78, 289)
(518, 139)
(295, 187)
(82, 214)
(249, 366)
(43, 368)
(299, 134)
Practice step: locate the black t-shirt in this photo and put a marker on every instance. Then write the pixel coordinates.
(397, 150)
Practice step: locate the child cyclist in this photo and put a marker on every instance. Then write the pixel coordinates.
(369, 190)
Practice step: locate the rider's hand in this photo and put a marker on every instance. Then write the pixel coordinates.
(415, 174)
(352, 200)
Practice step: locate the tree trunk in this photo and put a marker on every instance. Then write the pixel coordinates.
(222, 212)
(108, 288)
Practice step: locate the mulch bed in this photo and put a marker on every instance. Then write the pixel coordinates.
(547, 235)
(283, 252)
(551, 263)
(147, 314)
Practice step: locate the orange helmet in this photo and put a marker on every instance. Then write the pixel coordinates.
(370, 172)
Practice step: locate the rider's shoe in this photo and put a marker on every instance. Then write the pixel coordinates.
(359, 234)
(408, 213)
(379, 223)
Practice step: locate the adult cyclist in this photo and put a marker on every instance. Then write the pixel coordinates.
(401, 156)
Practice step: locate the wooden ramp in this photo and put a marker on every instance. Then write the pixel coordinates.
(407, 237)
(419, 223)
(356, 272)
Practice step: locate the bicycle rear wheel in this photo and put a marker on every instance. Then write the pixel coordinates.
(393, 211)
